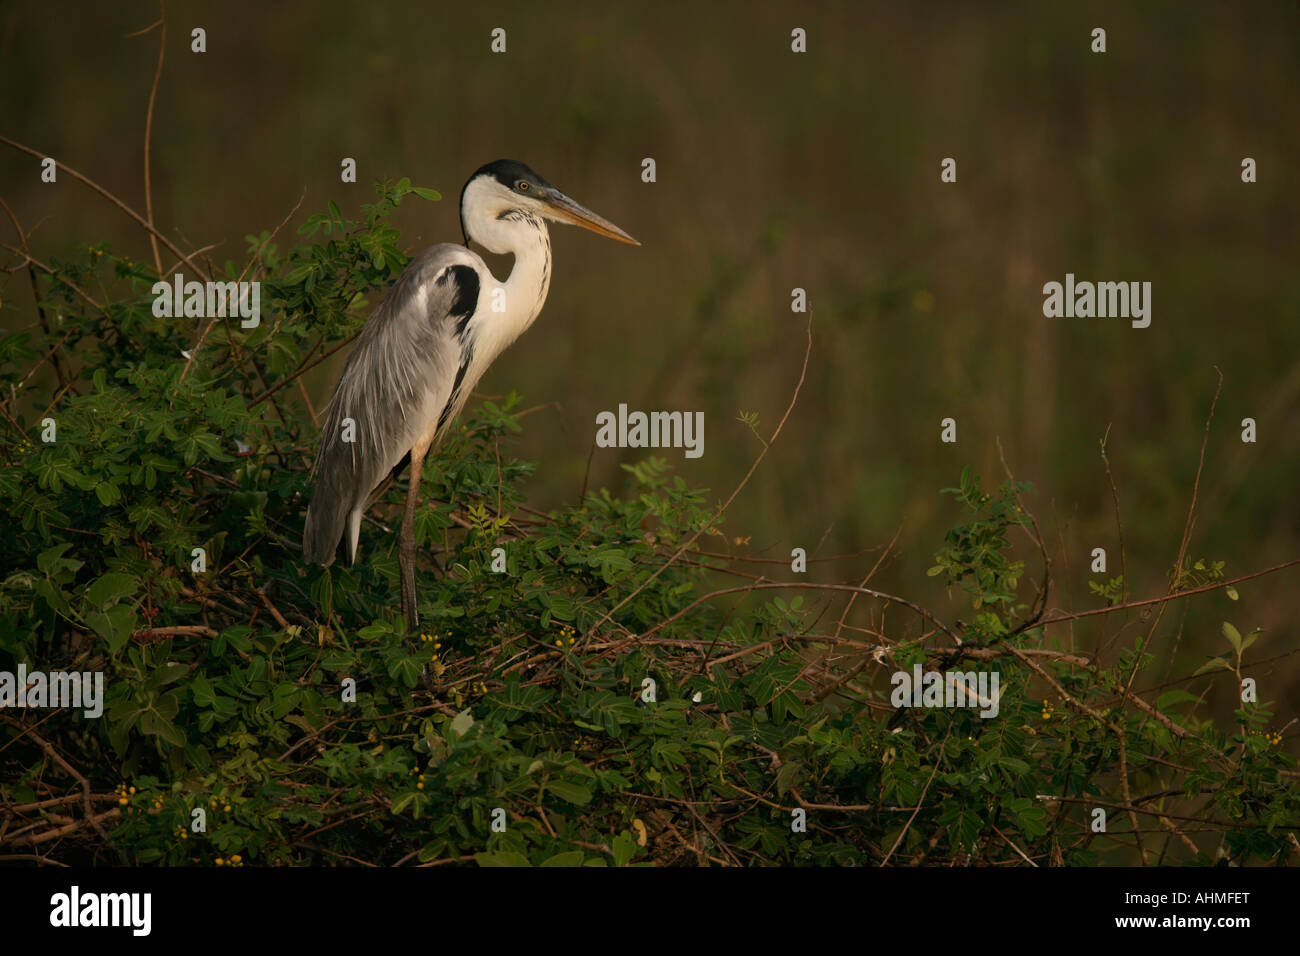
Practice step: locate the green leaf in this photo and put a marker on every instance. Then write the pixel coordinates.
(788, 773)
(406, 669)
(298, 275)
(432, 850)
(624, 847)
(1233, 636)
(109, 588)
(571, 858)
(108, 493)
(100, 624)
(1170, 698)
(461, 723)
(167, 674)
(202, 692)
(572, 792)
(1214, 663)
(156, 724)
(114, 626)
(51, 558)
(424, 192)
(402, 802)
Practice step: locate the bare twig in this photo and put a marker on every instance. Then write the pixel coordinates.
(140, 220)
(722, 509)
(148, 128)
(1119, 521)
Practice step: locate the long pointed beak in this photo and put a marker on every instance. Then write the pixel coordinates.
(564, 209)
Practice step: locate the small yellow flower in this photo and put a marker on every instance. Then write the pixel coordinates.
(236, 859)
(123, 801)
(227, 808)
(219, 861)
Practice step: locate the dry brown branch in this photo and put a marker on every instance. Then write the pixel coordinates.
(140, 220)
(148, 128)
(722, 509)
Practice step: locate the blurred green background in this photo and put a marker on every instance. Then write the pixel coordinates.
(778, 170)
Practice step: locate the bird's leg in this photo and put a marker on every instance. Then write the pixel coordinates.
(406, 545)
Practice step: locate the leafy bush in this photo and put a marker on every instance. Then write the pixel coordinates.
(604, 701)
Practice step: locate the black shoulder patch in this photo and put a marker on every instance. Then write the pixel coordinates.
(467, 285)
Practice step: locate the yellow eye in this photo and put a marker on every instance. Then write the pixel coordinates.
(523, 186)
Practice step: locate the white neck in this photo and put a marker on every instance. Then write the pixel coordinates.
(530, 278)
(522, 294)
(501, 227)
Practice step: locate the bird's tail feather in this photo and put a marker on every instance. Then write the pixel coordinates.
(326, 517)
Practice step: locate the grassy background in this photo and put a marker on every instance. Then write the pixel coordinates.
(775, 171)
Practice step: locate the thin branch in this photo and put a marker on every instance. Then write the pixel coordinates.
(803, 373)
(148, 129)
(809, 586)
(300, 370)
(194, 352)
(1119, 521)
(921, 799)
(1165, 598)
(59, 372)
(140, 220)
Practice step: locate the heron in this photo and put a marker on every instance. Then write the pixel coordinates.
(422, 351)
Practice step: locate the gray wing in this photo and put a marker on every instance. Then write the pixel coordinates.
(394, 388)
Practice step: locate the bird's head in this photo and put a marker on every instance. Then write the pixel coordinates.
(504, 196)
